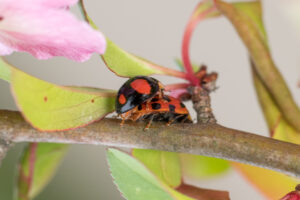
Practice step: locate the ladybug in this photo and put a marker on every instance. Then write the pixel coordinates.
(136, 91)
(167, 108)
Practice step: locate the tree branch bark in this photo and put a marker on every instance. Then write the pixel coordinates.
(208, 140)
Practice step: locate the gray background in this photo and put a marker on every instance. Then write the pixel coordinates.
(153, 30)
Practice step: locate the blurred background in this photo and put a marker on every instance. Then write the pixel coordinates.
(153, 30)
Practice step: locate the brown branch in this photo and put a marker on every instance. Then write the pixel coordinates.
(202, 106)
(208, 140)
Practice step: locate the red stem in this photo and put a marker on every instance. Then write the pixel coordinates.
(193, 21)
(32, 158)
(176, 86)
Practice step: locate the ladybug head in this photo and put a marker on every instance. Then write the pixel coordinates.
(136, 91)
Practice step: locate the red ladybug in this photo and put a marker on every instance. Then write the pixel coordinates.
(167, 108)
(136, 91)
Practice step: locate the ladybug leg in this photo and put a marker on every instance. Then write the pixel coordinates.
(123, 120)
(187, 117)
(174, 119)
(147, 105)
(184, 119)
(124, 116)
(149, 123)
(136, 117)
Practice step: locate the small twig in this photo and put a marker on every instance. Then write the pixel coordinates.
(209, 140)
(202, 106)
(32, 161)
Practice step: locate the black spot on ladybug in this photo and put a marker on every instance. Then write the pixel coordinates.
(154, 99)
(155, 106)
(172, 108)
(136, 91)
(182, 105)
(166, 98)
(140, 107)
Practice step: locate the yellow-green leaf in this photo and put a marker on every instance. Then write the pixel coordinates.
(5, 72)
(273, 185)
(199, 167)
(126, 64)
(38, 165)
(136, 182)
(246, 18)
(278, 126)
(179, 63)
(49, 107)
(253, 10)
(165, 165)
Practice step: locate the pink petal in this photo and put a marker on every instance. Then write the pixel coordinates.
(5, 50)
(46, 3)
(177, 93)
(47, 32)
(55, 3)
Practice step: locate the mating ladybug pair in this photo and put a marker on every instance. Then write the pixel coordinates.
(142, 98)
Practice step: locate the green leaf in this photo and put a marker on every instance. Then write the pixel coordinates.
(49, 107)
(272, 184)
(133, 179)
(246, 18)
(5, 72)
(254, 12)
(38, 165)
(199, 167)
(126, 64)
(180, 65)
(165, 165)
(136, 182)
(278, 126)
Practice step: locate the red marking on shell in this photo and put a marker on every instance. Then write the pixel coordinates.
(45, 99)
(122, 99)
(141, 86)
(92, 100)
(1, 18)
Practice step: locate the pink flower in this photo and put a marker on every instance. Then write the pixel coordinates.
(45, 28)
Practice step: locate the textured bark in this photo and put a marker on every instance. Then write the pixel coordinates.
(208, 140)
(202, 106)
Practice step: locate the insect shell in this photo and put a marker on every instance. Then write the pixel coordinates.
(136, 91)
(167, 109)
